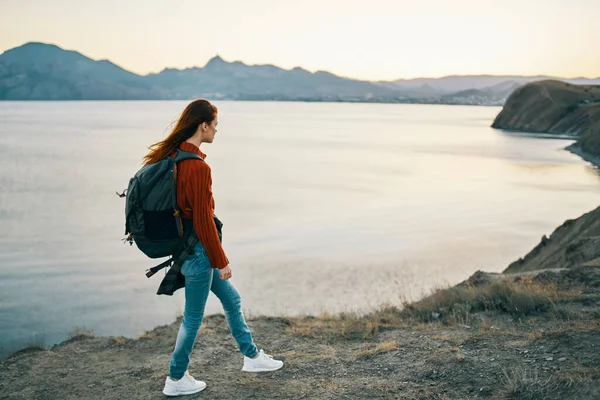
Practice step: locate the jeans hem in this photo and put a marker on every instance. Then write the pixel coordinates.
(253, 355)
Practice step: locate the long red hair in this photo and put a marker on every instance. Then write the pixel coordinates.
(196, 113)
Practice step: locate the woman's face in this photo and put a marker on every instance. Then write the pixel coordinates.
(209, 130)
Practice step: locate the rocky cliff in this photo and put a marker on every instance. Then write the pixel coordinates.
(563, 109)
(554, 107)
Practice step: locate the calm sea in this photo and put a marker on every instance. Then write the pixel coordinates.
(327, 207)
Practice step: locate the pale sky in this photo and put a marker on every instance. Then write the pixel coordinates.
(364, 39)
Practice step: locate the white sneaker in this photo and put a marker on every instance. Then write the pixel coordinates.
(262, 363)
(183, 386)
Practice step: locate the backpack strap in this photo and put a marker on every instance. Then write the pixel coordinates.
(186, 247)
(186, 155)
(154, 270)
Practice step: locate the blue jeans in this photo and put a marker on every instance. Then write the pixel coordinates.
(200, 278)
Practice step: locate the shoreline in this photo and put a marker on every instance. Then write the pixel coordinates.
(592, 159)
(496, 336)
(259, 101)
(537, 135)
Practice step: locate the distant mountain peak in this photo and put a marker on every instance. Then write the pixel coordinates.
(300, 69)
(38, 45)
(37, 52)
(215, 61)
(35, 46)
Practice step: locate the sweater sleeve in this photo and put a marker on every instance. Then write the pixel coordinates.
(202, 215)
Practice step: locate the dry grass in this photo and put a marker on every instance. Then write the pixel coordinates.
(36, 343)
(348, 326)
(119, 340)
(456, 305)
(205, 330)
(565, 326)
(377, 348)
(329, 328)
(459, 305)
(331, 385)
(458, 351)
(580, 373)
(443, 338)
(575, 382)
(81, 332)
(292, 357)
(31, 347)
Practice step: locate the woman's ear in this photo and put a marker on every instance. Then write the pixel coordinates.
(204, 126)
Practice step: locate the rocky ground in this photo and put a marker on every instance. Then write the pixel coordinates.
(496, 336)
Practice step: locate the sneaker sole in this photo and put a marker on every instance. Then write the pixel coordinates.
(261, 369)
(178, 393)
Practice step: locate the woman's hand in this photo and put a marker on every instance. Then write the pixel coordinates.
(225, 273)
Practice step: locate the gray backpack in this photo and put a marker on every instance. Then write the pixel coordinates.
(152, 216)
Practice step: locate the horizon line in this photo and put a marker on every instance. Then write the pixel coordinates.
(217, 55)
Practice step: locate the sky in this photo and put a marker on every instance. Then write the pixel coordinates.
(373, 40)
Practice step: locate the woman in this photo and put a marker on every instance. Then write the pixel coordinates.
(207, 269)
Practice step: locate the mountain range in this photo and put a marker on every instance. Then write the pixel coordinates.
(39, 71)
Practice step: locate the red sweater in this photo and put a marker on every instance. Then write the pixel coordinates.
(196, 202)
